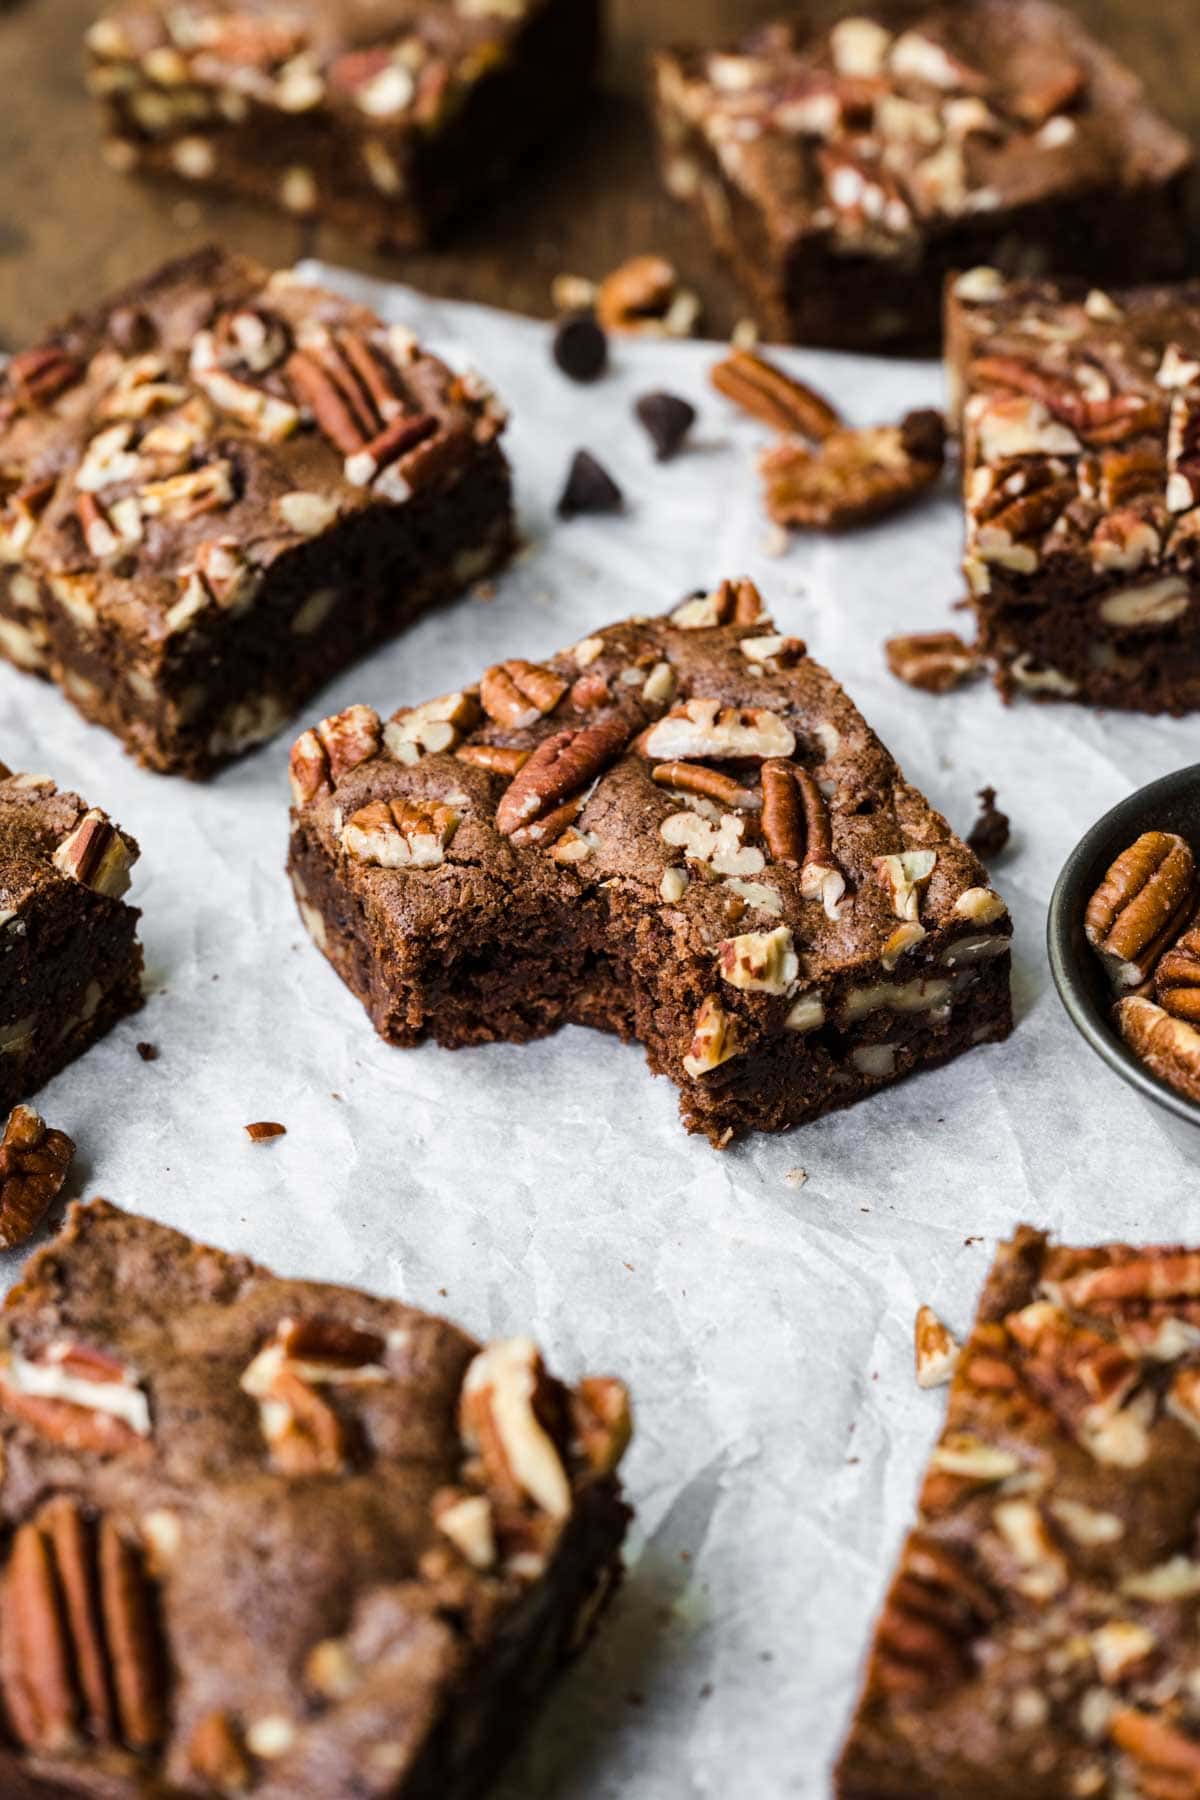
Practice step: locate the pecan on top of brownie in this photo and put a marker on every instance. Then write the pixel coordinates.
(1038, 1641)
(681, 830)
(275, 1536)
(846, 174)
(222, 485)
(1081, 426)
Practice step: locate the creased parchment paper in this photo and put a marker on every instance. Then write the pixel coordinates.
(763, 1320)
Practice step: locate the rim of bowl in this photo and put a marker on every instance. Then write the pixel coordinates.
(1078, 974)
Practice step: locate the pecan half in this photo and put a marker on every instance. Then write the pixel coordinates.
(701, 728)
(401, 834)
(935, 1609)
(303, 1432)
(732, 603)
(782, 401)
(935, 661)
(517, 694)
(1177, 978)
(695, 778)
(508, 1418)
(80, 1649)
(854, 476)
(35, 377)
(98, 855)
(559, 768)
(1169, 1047)
(795, 818)
(77, 1395)
(34, 1164)
(497, 758)
(1141, 905)
(335, 747)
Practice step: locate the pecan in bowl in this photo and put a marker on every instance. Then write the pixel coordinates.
(1122, 940)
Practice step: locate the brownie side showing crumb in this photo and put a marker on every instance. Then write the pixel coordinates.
(72, 964)
(845, 176)
(679, 830)
(1082, 487)
(277, 1536)
(388, 126)
(224, 486)
(1039, 1636)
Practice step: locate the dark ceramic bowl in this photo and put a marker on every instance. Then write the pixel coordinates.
(1172, 804)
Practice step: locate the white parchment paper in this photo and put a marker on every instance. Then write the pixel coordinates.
(764, 1321)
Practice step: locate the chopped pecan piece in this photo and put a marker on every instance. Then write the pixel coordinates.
(80, 1649)
(1169, 1047)
(1141, 906)
(853, 477)
(559, 768)
(303, 1432)
(703, 728)
(77, 1395)
(435, 725)
(35, 377)
(733, 603)
(936, 1349)
(34, 1164)
(496, 758)
(335, 747)
(905, 876)
(263, 1131)
(602, 1421)
(509, 1417)
(779, 399)
(98, 855)
(695, 778)
(716, 1038)
(935, 661)
(643, 296)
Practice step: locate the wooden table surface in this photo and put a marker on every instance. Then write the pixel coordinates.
(71, 230)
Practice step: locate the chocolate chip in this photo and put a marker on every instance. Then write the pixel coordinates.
(667, 420)
(132, 330)
(580, 347)
(589, 489)
(148, 1052)
(989, 834)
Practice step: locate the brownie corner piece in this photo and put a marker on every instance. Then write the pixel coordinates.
(846, 174)
(1080, 417)
(72, 964)
(389, 121)
(1038, 1639)
(680, 830)
(219, 488)
(280, 1537)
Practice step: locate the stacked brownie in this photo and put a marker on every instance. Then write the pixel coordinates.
(387, 118)
(222, 486)
(680, 830)
(846, 175)
(1081, 426)
(276, 1536)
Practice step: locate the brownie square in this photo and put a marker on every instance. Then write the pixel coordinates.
(1039, 1639)
(388, 119)
(71, 964)
(279, 1537)
(1080, 414)
(679, 830)
(222, 486)
(845, 175)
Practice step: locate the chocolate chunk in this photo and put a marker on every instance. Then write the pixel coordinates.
(667, 420)
(580, 347)
(589, 488)
(989, 834)
(923, 435)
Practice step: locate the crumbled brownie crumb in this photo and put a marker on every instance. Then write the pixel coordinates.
(148, 1052)
(990, 833)
(667, 420)
(580, 347)
(589, 488)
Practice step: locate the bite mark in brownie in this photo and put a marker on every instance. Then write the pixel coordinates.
(1081, 414)
(1038, 1639)
(846, 174)
(277, 1537)
(72, 964)
(221, 487)
(679, 830)
(388, 119)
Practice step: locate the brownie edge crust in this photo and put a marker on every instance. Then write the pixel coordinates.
(680, 830)
(276, 1537)
(1038, 1641)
